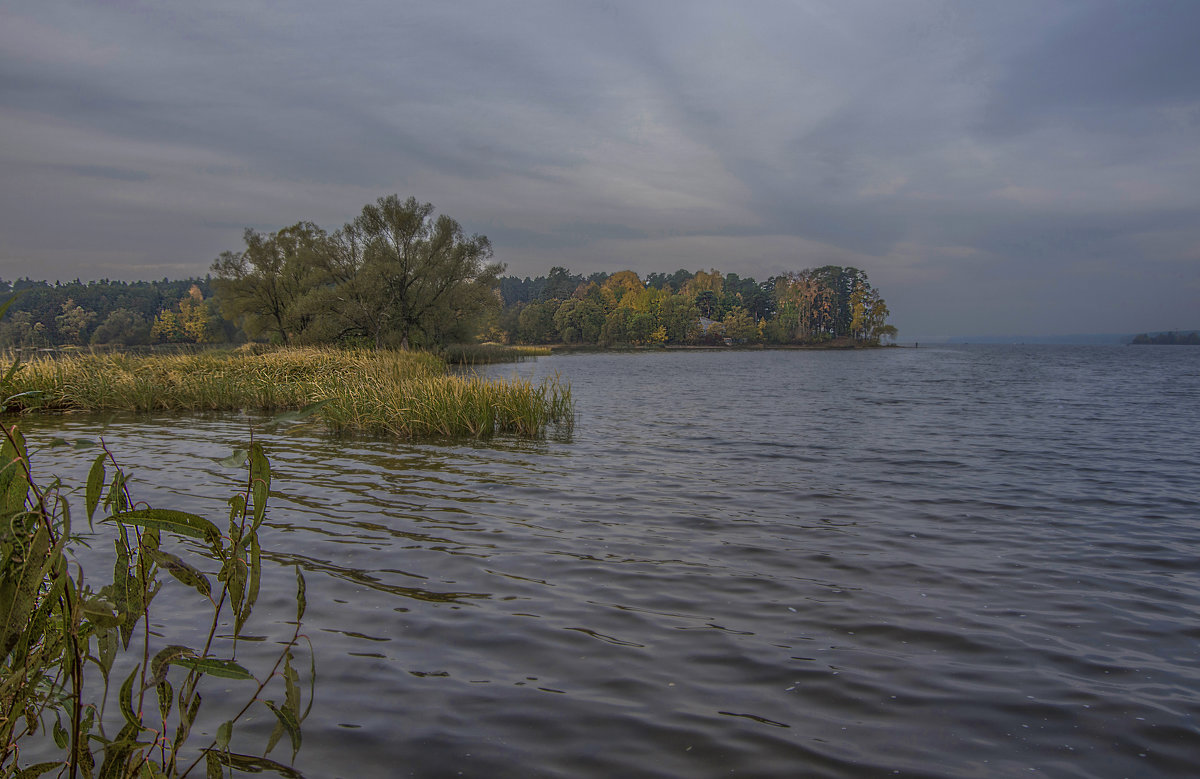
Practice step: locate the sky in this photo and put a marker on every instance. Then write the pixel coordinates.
(1016, 167)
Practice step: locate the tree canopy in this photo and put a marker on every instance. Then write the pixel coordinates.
(396, 274)
(815, 306)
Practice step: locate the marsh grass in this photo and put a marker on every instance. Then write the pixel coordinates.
(405, 394)
(488, 354)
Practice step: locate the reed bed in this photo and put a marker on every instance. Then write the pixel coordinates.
(487, 354)
(407, 394)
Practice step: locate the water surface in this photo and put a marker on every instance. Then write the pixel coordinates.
(958, 561)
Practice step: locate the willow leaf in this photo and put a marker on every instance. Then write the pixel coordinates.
(95, 483)
(287, 718)
(260, 479)
(224, 734)
(181, 522)
(226, 669)
(36, 770)
(182, 570)
(254, 765)
(212, 766)
(161, 661)
(235, 460)
(166, 695)
(125, 699)
(301, 601)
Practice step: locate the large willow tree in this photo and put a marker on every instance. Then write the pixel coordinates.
(396, 274)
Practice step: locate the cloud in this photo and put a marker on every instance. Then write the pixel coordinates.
(950, 150)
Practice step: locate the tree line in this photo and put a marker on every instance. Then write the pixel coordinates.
(815, 306)
(108, 312)
(399, 275)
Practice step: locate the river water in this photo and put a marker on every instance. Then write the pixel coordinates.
(949, 561)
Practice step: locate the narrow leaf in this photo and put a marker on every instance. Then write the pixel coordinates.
(126, 701)
(235, 460)
(224, 734)
(212, 766)
(301, 602)
(254, 765)
(182, 571)
(166, 696)
(226, 669)
(161, 662)
(260, 478)
(287, 718)
(95, 482)
(61, 738)
(181, 522)
(36, 770)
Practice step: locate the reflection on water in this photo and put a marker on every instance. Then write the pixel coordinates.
(960, 561)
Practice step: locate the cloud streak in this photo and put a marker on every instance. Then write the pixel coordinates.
(1019, 167)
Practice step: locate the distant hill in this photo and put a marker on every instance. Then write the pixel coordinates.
(1173, 338)
(1084, 339)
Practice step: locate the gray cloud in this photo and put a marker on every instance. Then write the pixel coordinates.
(1019, 167)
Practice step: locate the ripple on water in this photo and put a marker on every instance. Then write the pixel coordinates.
(943, 562)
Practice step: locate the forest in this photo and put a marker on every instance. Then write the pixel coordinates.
(399, 275)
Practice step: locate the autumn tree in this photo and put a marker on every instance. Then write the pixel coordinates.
(122, 327)
(398, 270)
(262, 286)
(72, 324)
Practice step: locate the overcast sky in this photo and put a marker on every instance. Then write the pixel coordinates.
(1014, 167)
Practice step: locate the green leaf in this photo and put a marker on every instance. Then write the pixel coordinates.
(36, 770)
(260, 479)
(212, 766)
(301, 602)
(235, 579)
(224, 734)
(100, 613)
(118, 751)
(182, 571)
(61, 738)
(252, 584)
(162, 661)
(95, 483)
(287, 718)
(226, 669)
(106, 643)
(181, 522)
(254, 765)
(166, 696)
(235, 460)
(291, 681)
(125, 699)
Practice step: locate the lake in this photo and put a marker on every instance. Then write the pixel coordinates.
(968, 561)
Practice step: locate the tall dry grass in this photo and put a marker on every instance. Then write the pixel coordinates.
(407, 394)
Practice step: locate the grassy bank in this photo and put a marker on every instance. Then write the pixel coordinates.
(401, 393)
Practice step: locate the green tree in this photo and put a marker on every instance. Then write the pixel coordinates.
(73, 322)
(263, 286)
(122, 327)
(740, 326)
(680, 319)
(535, 324)
(167, 329)
(580, 321)
(400, 271)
